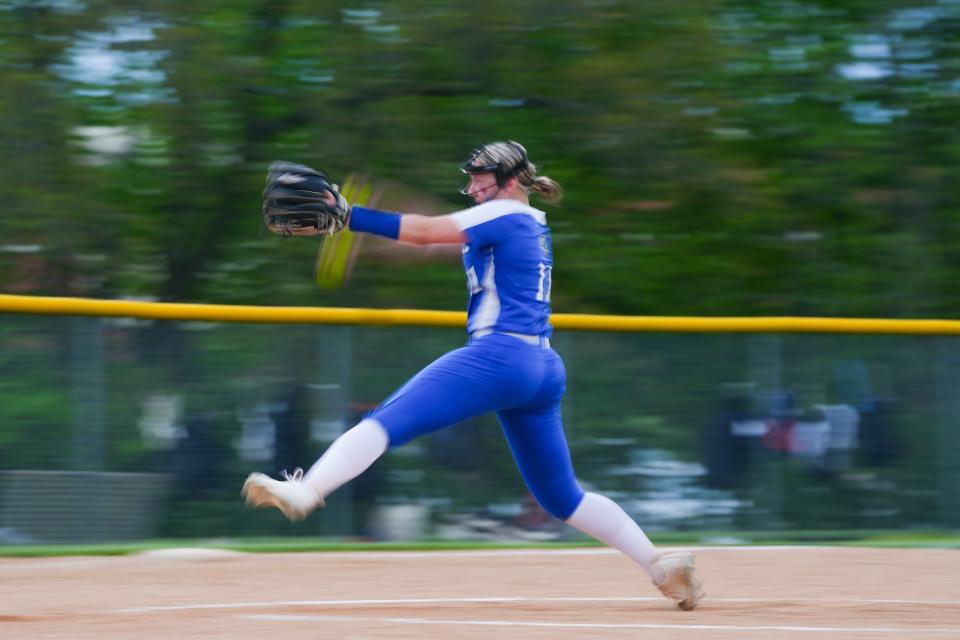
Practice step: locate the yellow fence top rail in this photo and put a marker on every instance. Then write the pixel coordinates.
(457, 319)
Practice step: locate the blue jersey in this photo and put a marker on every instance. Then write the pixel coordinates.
(508, 259)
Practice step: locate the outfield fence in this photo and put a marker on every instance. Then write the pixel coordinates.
(126, 420)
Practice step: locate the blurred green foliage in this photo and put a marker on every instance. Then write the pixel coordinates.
(720, 157)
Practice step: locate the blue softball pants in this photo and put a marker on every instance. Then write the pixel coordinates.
(523, 383)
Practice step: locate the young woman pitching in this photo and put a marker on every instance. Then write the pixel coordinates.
(507, 365)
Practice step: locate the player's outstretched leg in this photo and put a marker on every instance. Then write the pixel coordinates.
(680, 582)
(299, 494)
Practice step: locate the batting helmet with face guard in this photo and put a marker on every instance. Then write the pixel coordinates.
(503, 159)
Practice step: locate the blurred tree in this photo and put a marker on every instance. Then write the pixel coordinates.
(720, 157)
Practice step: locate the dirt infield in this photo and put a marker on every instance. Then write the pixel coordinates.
(795, 592)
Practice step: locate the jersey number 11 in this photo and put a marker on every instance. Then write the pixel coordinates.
(546, 281)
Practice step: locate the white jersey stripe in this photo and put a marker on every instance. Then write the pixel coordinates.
(494, 209)
(489, 309)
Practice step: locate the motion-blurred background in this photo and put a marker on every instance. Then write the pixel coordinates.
(720, 158)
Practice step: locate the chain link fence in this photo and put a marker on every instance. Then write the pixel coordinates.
(128, 429)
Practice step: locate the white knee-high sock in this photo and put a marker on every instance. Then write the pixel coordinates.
(602, 518)
(349, 456)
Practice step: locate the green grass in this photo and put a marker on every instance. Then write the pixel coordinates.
(263, 545)
(923, 539)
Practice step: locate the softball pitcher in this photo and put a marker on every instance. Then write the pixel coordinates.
(507, 365)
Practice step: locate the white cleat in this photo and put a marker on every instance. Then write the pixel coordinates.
(294, 498)
(681, 583)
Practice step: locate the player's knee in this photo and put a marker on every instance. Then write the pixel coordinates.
(399, 432)
(560, 503)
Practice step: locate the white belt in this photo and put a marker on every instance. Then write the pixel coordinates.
(537, 341)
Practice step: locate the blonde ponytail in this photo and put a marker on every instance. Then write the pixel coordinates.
(547, 188)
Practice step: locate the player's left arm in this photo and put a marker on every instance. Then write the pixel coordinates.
(423, 230)
(483, 224)
(411, 228)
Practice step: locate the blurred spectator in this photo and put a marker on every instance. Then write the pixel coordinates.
(291, 421)
(853, 385)
(725, 454)
(195, 459)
